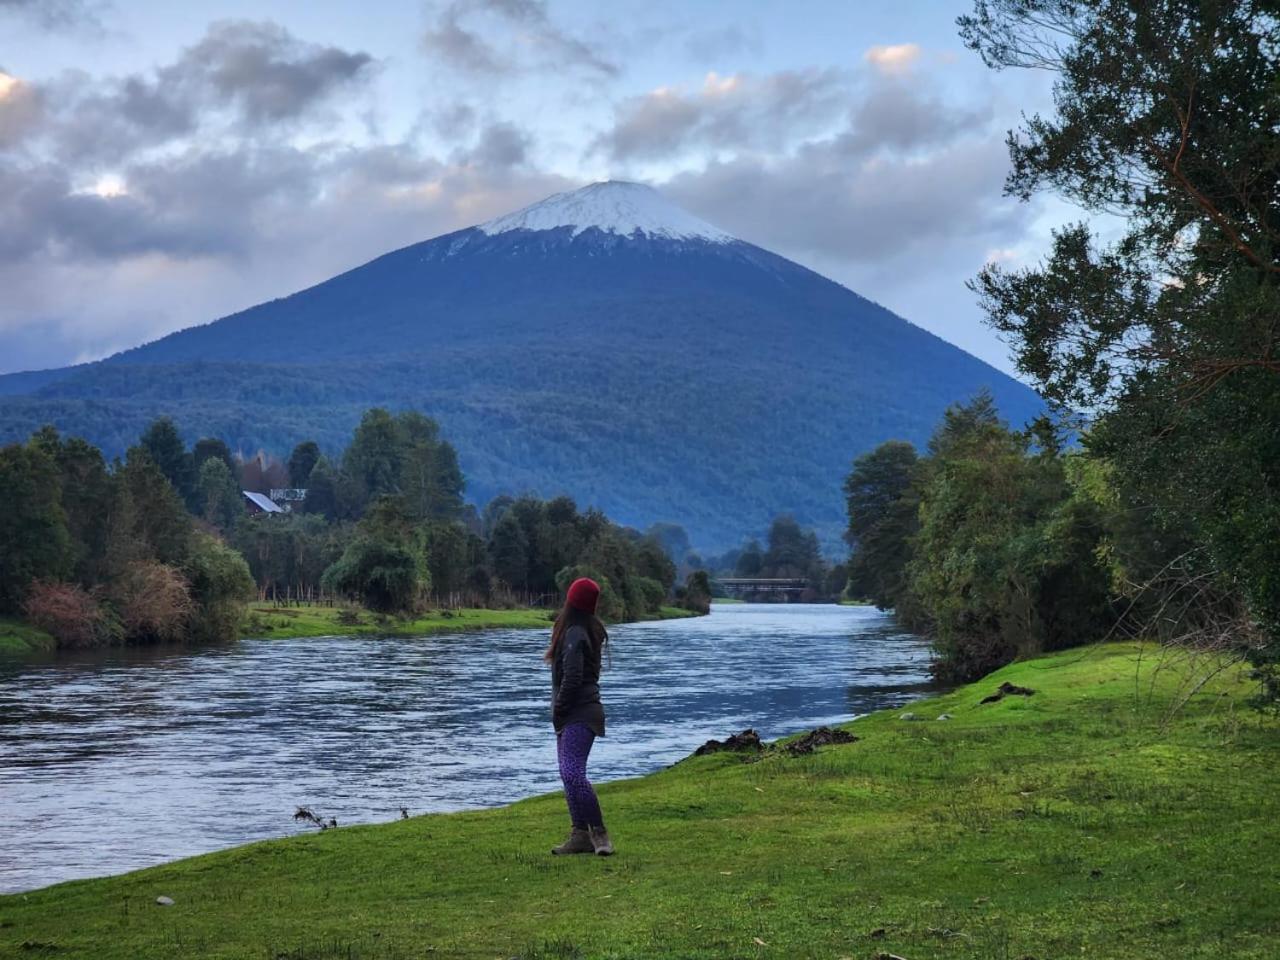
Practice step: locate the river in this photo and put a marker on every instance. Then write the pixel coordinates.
(114, 760)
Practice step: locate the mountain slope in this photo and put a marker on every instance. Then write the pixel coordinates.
(603, 343)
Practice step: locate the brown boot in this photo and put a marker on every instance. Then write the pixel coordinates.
(600, 841)
(579, 841)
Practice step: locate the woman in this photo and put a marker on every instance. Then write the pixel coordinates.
(577, 639)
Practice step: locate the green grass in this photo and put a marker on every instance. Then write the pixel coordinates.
(726, 600)
(19, 637)
(267, 620)
(1073, 823)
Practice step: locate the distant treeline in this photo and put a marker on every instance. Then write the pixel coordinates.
(99, 554)
(161, 546)
(790, 552)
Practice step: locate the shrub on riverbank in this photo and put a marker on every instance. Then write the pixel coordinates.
(1085, 819)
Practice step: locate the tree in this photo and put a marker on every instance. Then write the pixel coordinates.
(431, 479)
(509, 553)
(493, 512)
(1004, 564)
(696, 594)
(34, 542)
(217, 494)
(750, 560)
(302, 461)
(883, 504)
(220, 584)
(674, 539)
(792, 552)
(323, 490)
(208, 448)
(164, 446)
(86, 491)
(1165, 113)
(383, 576)
(375, 456)
(654, 563)
(448, 558)
(149, 520)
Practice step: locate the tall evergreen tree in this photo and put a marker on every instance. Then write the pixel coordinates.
(165, 448)
(883, 503)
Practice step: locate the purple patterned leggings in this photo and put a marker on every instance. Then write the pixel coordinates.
(573, 746)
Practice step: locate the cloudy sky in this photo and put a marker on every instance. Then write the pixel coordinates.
(161, 167)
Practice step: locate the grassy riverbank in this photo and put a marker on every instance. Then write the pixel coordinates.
(1074, 822)
(268, 620)
(19, 637)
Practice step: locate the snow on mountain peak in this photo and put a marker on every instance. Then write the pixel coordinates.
(614, 206)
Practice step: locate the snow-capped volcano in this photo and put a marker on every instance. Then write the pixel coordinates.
(603, 343)
(612, 206)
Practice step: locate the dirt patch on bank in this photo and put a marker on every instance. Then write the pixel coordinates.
(748, 741)
(819, 737)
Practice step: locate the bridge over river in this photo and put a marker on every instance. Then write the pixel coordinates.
(782, 587)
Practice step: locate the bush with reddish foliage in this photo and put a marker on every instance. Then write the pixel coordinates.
(68, 613)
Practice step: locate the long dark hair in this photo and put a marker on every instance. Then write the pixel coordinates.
(573, 617)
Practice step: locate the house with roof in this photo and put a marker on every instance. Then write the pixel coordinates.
(257, 503)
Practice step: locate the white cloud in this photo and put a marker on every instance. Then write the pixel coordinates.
(893, 59)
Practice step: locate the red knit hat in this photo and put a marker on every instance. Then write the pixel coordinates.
(583, 594)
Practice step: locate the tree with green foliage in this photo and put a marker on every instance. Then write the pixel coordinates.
(87, 492)
(883, 505)
(509, 553)
(218, 495)
(375, 456)
(163, 445)
(449, 557)
(381, 575)
(696, 593)
(431, 480)
(1165, 113)
(323, 491)
(1004, 564)
(149, 520)
(792, 551)
(34, 541)
(208, 448)
(302, 461)
(289, 553)
(220, 584)
(653, 562)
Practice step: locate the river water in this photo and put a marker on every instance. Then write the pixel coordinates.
(120, 759)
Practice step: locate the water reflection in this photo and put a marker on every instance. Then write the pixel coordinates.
(114, 760)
